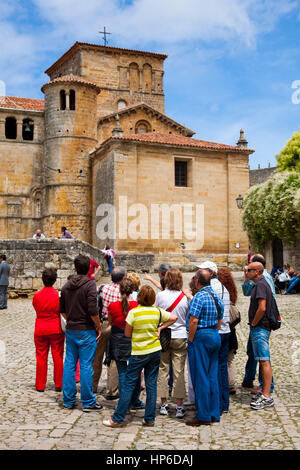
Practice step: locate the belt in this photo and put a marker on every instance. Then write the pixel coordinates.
(206, 327)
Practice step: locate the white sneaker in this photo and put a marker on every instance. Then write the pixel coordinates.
(164, 409)
(180, 412)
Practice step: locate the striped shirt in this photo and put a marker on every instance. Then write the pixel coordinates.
(145, 321)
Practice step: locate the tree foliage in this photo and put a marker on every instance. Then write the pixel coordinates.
(289, 158)
(272, 209)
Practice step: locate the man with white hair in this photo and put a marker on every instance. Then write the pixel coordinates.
(224, 332)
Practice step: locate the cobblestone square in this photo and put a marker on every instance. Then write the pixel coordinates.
(32, 420)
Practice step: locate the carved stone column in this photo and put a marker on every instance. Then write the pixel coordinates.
(19, 129)
(68, 100)
(140, 79)
(2, 128)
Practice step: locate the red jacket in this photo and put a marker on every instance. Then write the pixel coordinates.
(46, 305)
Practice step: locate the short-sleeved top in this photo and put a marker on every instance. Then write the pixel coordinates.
(165, 299)
(261, 290)
(223, 293)
(91, 271)
(110, 293)
(46, 305)
(204, 308)
(145, 321)
(116, 312)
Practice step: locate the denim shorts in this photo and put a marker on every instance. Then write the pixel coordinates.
(260, 343)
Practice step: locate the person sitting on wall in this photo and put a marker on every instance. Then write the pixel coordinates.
(38, 235)
(65, 233)
(109, 255)
(294, 283)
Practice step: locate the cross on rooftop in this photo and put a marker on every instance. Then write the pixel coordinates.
(105, 33)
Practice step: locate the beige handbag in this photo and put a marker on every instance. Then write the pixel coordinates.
(235, 316)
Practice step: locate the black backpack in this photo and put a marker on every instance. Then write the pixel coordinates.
(274, 315)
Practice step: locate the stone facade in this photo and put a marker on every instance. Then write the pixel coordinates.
(28, 259)
(144, 175)
(72, 167)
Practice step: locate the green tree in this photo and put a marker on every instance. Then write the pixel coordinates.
(272, 209)
(289, 158)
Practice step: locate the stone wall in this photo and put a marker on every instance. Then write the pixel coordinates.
(28, 259)
(261, 175)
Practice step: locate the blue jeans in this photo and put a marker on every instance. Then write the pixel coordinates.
(122, 369)
(223, 372)
(203, 355)
(150, 364)
(82, 345)
(293, 283)
(251, 365)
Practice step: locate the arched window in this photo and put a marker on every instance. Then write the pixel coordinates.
(63, 101)
(10, 128)
(27, 129)
(72, 100)
(134, 77)
(142, 127)
(121, 104)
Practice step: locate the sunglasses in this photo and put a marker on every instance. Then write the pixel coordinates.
(251, 269)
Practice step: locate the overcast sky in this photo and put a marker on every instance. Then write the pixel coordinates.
(231, 63)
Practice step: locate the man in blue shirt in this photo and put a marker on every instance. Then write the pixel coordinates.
(203, 321)
(251, 365)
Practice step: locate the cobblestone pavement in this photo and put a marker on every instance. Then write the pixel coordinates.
(31, 420)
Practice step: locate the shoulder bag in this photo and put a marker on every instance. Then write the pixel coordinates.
(235, 316)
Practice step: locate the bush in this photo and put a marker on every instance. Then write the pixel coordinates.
(272, 210)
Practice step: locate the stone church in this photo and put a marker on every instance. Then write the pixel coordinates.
(100, 156)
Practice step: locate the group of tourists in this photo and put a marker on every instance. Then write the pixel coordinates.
(147, 340)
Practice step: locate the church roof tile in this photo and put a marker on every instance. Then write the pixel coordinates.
(71, 79)
(176, 140)
(14, 102)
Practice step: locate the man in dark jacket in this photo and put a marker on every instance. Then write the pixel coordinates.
(4, 275)
(78, 304)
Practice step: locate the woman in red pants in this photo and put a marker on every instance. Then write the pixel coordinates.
(48, 332)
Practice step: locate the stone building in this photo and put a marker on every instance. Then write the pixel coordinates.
(100, 156)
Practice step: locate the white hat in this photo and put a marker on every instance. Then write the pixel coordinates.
(208, 265)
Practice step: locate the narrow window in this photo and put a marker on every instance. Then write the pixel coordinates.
(121, 104)
(72, 100)
(27, 129)
(10, 128)
(180, 173)
(142, 127)
(62, 100)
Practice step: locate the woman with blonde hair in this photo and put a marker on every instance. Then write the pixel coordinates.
(142, 326)
(172, 299)
(119, 344)
(136, 284)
